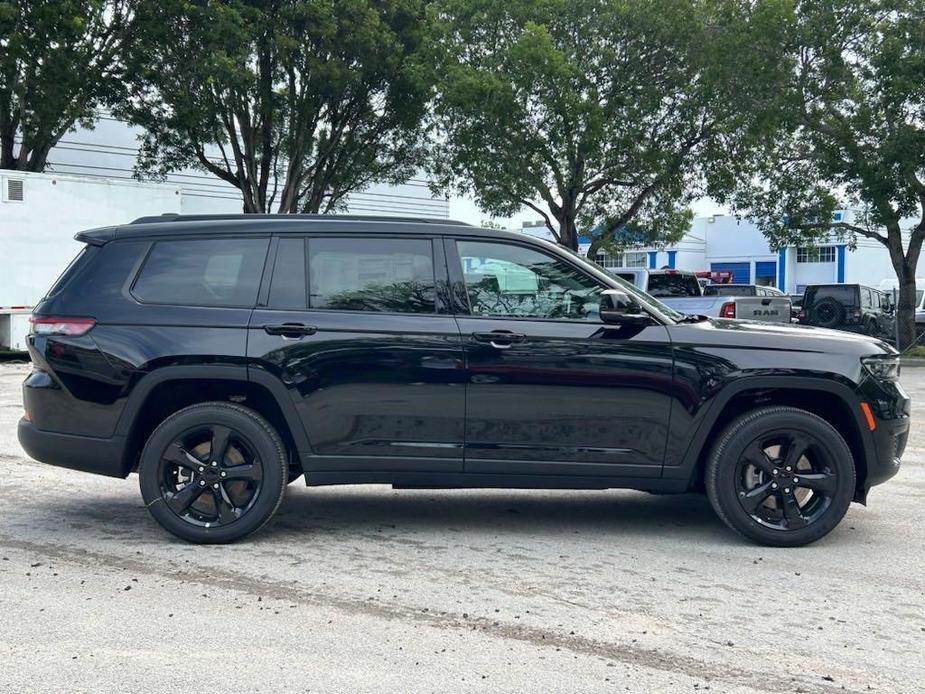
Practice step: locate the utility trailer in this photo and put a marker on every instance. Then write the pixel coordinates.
(39, 215)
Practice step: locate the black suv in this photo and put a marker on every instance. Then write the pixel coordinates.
(851, 307)
(223, 357)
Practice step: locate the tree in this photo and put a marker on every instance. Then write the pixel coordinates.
(296, 103)
(851, 134)
(60, 60)
(603, 115)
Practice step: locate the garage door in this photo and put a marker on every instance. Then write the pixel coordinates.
(741, 272)
(766, 273)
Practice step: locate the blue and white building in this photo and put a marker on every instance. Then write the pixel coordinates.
(726, 243)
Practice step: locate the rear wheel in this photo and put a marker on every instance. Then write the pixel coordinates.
(781, 476)
(213, 472)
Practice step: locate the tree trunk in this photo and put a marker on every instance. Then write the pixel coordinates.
(905, 311)
(905, 266)
(568, 230)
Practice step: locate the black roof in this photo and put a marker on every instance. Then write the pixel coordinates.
(178, 225)
(173, 217)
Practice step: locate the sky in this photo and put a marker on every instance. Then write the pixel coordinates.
(464, 209)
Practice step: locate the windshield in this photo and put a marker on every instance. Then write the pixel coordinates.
(673, 285)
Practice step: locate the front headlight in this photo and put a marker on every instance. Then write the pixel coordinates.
(883, 367)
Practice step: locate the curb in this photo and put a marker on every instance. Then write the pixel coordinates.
(913, 362)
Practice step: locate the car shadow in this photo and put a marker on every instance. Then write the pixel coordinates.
(344, 511)
(519, 512)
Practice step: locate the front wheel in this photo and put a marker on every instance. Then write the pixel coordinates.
(780, 476)
(213, 472)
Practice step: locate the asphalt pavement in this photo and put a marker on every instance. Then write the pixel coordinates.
(366, 589)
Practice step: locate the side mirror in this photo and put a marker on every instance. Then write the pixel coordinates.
(619, 308)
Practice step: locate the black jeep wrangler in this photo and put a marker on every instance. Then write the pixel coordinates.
(222, 357)
(851, 307)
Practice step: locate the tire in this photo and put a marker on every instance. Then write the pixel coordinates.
(828, 313)
(213, 499)
(752, 455)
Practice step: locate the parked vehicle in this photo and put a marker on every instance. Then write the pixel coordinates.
(796, 305)
(890, 288)
(222, 357)
(748, 302)
(850, 307)
(661, 284)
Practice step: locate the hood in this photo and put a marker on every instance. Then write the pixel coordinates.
(753, 335)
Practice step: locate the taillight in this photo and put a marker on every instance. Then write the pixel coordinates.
(55, 325)
(728, 310)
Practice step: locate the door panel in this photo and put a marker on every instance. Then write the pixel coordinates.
(374, 390)
(552, 390)
(370, 386)
(570, 398)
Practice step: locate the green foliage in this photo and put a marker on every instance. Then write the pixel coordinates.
(596, 113)
(849, 133)
(294, 102)
(59, 61)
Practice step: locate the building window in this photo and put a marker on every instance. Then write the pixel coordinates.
(819, 254)
(607, 260)
(635, 259)
(629, 259)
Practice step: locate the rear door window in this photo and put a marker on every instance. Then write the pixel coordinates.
(203, 272)
(372, 274)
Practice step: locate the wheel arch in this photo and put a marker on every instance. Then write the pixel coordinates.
(160, 393)
(831, 400)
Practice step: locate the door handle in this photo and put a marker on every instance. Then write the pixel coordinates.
(500, 339)
(290, 330)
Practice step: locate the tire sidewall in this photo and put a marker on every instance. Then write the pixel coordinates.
(721, 474)
(258, 434)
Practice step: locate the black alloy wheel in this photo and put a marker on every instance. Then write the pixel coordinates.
(781, 476)
(213, 472)
(210, 476)
(786, 480)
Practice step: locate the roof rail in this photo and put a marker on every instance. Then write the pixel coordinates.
(175, 217)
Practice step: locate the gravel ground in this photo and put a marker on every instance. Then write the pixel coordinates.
(367, 589)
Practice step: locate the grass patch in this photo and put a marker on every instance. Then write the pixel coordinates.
(917, 351)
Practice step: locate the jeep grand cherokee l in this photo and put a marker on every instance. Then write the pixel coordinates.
(222, 357)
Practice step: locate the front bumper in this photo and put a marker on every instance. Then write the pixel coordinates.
(101, 456)
(891, 407)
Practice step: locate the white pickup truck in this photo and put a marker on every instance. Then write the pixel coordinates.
(681, 291)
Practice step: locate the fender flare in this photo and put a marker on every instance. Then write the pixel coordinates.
(145, 386)
(827, 384)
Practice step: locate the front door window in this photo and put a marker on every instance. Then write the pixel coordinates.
(512, 281)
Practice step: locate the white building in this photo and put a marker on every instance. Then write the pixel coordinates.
(725, 243)
(89, 184)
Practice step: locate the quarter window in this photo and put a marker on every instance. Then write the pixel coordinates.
(203, 272)
(507, 280)
(372, 274)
